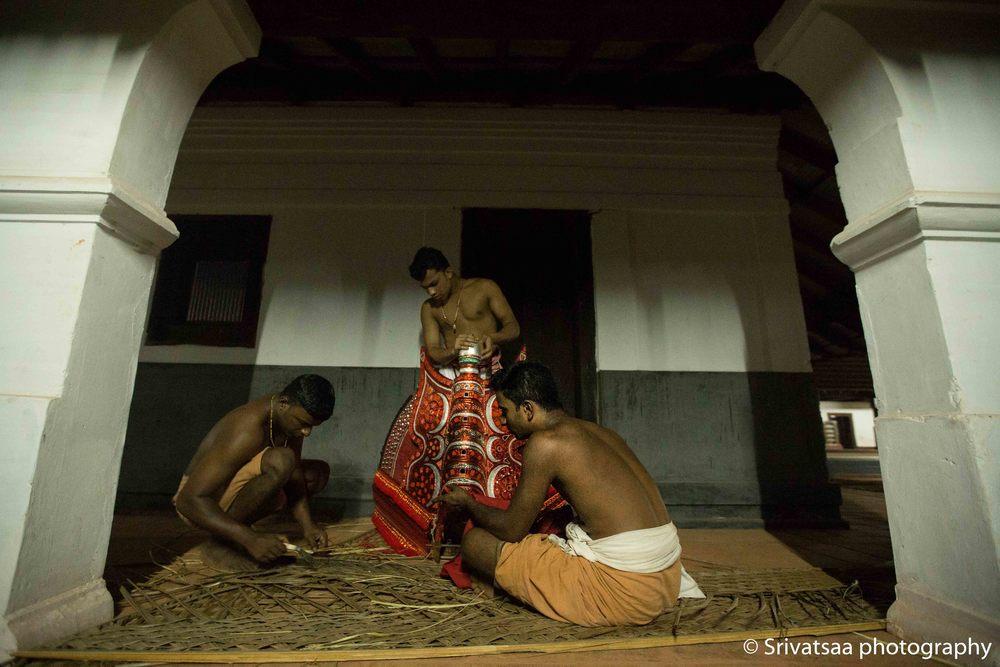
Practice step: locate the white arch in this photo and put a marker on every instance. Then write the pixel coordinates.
(95, 98)
(911, 94)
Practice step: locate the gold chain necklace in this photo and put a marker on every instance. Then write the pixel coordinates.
(444, 316)
(270, 424)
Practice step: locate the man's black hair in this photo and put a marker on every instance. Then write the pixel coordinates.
(425, 259)
(528, 381)
(314, 393)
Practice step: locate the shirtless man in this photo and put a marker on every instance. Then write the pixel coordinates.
(620, 563)
(250, 465)
(459, 312)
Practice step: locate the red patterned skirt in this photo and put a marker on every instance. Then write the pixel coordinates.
(448, 432)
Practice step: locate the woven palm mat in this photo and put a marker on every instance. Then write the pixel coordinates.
(357, 596)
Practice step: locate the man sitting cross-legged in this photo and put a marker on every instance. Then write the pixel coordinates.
(250, 465)
(620, 563)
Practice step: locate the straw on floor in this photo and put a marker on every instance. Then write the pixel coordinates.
(357, 598)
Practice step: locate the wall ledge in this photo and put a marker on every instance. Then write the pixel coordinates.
(917, 217)
(96, 200)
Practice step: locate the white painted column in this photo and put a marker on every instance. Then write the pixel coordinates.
(911, 93)
(94, 99)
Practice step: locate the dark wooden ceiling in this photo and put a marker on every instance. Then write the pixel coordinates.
(629, 53)
(605, 53)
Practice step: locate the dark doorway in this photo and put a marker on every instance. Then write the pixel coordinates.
(542, 261)
(845, 430)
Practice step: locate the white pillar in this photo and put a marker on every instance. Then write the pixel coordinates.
(911, 94)
(94, 99)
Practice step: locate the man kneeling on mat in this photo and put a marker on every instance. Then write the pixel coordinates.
(250, 465)
(620, 561)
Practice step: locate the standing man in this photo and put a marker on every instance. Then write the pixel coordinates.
(250, 465)
(620, 563)
(459, 312)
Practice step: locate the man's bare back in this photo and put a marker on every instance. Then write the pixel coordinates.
(591, 466)
(246, 423)
(596, 471)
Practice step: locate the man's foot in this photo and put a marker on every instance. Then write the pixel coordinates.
(220, 556)
(483, 587)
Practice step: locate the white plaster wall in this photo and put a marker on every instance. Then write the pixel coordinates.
(336, 289)
(685, 292)
(353, 192)
(862, 415)
(338, 292)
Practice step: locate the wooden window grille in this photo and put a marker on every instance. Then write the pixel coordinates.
(208, 287)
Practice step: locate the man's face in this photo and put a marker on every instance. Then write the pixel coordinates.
(293, 420)
(512, 416)
(438, 285)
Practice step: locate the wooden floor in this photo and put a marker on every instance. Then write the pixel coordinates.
(862, 551)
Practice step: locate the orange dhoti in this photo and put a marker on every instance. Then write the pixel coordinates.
(572, 589)
(250, 470)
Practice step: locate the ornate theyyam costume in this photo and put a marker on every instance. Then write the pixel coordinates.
(448, 432)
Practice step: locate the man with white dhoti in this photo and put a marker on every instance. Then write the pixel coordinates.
(620, 562)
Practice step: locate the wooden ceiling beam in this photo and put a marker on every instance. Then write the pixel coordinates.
(725, 57)
(818, 226)
(282, 55)
(825, 260)
(720, 21)
(812, 287)
(502, 51)
(579, 55)
(828, 211)
(848, 331)
(830, 282)
(807, 149)
(651, 59)
(692, 77)
(819, 322)
(428, 54)
(357, 59)
(826, 344)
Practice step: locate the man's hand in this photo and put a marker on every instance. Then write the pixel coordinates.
(265, 547)
(454, 496)
(315, 537)
(465, 340)
(487, 347)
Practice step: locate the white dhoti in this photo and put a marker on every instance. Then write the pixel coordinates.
(645, 551)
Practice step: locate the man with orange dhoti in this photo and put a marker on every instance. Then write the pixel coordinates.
(620, 561)
(449, 432)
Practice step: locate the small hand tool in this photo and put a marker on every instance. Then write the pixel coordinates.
(301, 553)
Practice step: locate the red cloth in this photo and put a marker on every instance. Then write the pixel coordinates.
(416, 464)
(548, 523)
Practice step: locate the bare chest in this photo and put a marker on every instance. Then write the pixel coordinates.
(462, 312)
